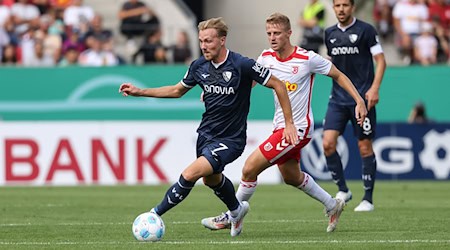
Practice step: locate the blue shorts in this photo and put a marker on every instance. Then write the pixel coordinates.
(338, 115)
(218, 152)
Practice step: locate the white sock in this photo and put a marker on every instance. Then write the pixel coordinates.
(310, 187)
(246, 190)
(235, 212)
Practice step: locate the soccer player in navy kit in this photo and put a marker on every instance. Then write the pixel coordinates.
(226, 79)
(353, 45)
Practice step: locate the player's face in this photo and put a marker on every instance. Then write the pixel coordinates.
(277, 35)
(210, 43)
(344, 11)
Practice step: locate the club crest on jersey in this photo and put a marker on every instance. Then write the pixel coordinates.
(268, 146)
(294, 69)
(226, 75)
(353, 37)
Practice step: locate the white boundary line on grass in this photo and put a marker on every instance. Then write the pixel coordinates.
(30, 243)
(129, 223)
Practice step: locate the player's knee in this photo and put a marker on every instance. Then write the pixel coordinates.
(365, 149)
(329, 146)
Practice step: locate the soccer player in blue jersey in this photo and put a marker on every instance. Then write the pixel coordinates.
(226, 79)
(353, 46)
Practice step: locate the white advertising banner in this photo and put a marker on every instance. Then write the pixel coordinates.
(109, 152)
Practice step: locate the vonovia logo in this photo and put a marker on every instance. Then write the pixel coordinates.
(313, 158)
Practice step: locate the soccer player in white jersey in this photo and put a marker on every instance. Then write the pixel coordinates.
(296, 67)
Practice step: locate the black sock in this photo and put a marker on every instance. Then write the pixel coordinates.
(337, 172)
(176, 194)
(225, 191)
(368, 176)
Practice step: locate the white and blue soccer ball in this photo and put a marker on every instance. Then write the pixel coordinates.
(148, 227)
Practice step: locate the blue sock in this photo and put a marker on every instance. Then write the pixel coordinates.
(225, 191)
(368, 176)
(176, 194)
(337, 172)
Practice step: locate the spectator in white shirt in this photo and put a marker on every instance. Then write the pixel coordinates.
(77, 15)
(425, 46)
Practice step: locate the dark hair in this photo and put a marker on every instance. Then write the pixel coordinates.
(351, 1)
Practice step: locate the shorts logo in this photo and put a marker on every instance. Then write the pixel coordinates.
(268, 146)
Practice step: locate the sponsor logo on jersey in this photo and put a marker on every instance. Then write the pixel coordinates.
(204, 75)
(332, 40)
(291, 86)
(344, 51)
(268, 146)
(226, 75)
(353, 37)
(219, 90)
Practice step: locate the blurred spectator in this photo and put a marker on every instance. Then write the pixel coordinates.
(39, 58)
(4, 40)
(137, 19)
(418, 114)
(73, 40)
(152, 49)
(70, 57)
(408, 16)
(56, 26)
(9, 55)
(181, 50)
(425, 46)
(96, 29)
(52, 42)
(77, 16)
(96, 56)
(42, 5)
(439, 12)
(5, 14)
(25, 16)
(312, 20)
(382, 13)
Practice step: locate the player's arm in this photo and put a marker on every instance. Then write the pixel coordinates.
(290, 132)
(173, 91)
(346, 83)
(372, 95)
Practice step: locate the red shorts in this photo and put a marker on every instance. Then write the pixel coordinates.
(277, 151)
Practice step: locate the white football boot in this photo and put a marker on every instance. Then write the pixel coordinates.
(364, 206)
(334, 215)
(345, 196)
(219, 222)
(238, 221)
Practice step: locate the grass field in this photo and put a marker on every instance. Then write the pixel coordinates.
(408, 215)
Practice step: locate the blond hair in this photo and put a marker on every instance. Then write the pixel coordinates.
(278, 18)
(216, 23)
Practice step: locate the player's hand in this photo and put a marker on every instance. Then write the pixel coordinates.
(128, 89)
(360, 113)
(372, 98)
(290, 134)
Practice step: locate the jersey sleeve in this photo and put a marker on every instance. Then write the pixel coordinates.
(189, 79)
(318, 64)
(256, 71)
(373, 41)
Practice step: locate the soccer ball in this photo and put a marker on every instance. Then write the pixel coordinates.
(148, 227)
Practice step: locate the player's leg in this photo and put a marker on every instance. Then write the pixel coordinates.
(334, 124)
(365, 135)
(219, 154)
(181, 189)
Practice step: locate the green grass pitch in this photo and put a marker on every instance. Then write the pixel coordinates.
(408, 215)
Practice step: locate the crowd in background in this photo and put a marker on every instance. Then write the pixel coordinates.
(43, 33)
(419, 28)
(69, 32)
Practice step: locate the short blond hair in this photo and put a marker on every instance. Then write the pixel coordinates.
(278, 18)
(215, 23)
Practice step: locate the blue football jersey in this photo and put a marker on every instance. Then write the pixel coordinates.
(227, 89)
(351, 52)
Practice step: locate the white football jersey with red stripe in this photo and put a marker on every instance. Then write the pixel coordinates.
(297, 72)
